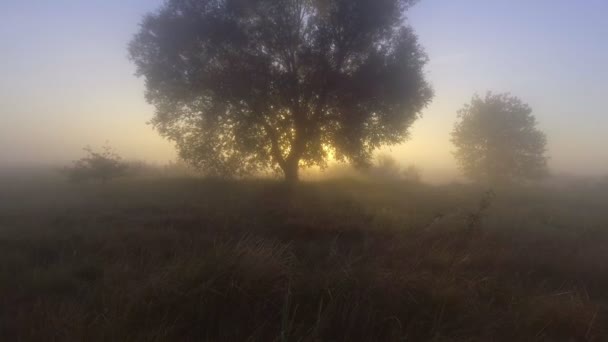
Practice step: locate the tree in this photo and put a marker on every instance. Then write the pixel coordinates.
(497, 140)
(243, 86)
(386, 168)
(102, 166)
(412, 174)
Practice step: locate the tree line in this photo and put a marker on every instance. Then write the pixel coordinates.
(248, 86)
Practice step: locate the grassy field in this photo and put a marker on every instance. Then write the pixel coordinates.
(202, 260)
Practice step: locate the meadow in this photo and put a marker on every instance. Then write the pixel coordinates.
(191, 259)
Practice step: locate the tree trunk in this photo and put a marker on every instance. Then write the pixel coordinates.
(291, 171)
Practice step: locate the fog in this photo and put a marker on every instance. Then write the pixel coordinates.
(303, 170)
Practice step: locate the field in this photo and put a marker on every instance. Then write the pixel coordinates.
(190, 259)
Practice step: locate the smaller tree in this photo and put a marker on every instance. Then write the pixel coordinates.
(412, 174)
(497, 140)
(387, 167)
(102, 166)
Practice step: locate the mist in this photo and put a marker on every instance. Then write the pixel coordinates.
(303, 170)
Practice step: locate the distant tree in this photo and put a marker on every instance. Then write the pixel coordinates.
(386, 167)
(497, 140)
(102, 166)
(244, 86)
(412, 174)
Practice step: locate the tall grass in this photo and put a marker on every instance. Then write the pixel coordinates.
(199, 260)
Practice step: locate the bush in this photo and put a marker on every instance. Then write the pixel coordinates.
(387, 168)
(102, 166)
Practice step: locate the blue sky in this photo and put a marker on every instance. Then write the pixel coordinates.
(66, 82)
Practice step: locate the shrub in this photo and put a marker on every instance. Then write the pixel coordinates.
(388, 168)
(102, 166)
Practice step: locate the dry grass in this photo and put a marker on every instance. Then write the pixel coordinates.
(194, 260)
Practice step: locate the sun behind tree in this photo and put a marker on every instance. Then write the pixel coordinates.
(497, 140)
(246, 86)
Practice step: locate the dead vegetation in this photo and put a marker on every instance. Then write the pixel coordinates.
(196, 260)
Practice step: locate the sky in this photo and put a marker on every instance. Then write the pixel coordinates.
(66, 81)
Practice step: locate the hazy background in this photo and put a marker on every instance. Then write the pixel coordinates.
(66, 82)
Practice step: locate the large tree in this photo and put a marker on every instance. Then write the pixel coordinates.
(497, 140)
(248, 85)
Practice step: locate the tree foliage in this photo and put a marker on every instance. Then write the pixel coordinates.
(497, 140)
(243, 86)
(102, 166)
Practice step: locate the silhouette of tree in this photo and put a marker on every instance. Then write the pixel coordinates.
(243, 86)
(386, 167)
(497, 140)
(412, 174)
(103, 166)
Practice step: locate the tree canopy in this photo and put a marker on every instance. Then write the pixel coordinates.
(497, 140)
(249, 85)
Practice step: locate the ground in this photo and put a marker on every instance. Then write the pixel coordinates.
(206, 260)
